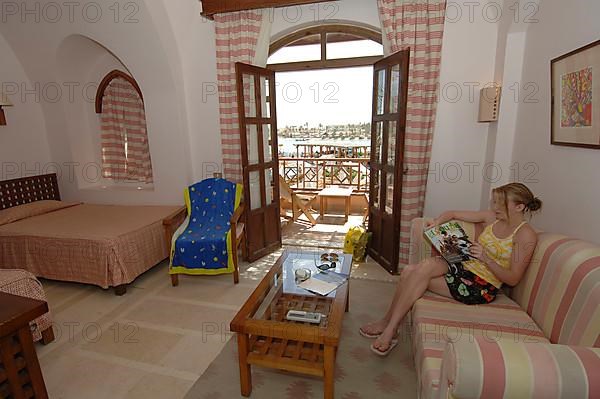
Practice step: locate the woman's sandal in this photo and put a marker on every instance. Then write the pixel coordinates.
(392, 345)
(370, 335)
(367, 334)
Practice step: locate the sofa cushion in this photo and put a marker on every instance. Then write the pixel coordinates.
(561, 290)
(437, 320)
(505, 369)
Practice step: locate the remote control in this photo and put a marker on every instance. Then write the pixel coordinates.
(300, 315)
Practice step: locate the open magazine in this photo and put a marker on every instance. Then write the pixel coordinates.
(324, 282)
(451, 242)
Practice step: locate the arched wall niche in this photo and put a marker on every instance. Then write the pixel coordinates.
(84, 64)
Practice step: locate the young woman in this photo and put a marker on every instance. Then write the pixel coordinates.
(505, 248)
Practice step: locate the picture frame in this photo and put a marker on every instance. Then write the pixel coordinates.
(575, 98)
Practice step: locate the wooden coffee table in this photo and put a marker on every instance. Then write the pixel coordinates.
(265, 338)
(336, 192)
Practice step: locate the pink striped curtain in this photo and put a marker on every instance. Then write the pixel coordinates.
(418, 24)
(237, 35)
(125, 149)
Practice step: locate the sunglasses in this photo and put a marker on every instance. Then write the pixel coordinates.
(331, 257)
(327, 266)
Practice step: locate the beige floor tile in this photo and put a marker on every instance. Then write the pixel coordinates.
(195, 353)
(159, 386)
(74, 376)
(59, 293)
(370, 270)
(207, 289)
(182, 315)
(127, 340)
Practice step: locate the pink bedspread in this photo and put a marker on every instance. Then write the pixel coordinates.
(105, 245)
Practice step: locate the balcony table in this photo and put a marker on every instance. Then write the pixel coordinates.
(336, 192)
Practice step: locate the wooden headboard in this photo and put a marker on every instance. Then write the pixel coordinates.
(28, 189)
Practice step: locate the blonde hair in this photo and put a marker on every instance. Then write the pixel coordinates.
(519, 194)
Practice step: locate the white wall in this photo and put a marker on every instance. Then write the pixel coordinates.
(195, 41)
(567, 179)
(458, 160)
(170, 51)
(143, 44)
(290, 18)
(23, 139)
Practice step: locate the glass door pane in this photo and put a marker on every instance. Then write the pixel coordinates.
(375, 193)
(255, 201)
(391, 150)
(378, 142)
(269, 185)
(252, 144)
(395, 88)
(264, 97)
(380, 91)
(249, 95)
(267, 142)
(389, 194)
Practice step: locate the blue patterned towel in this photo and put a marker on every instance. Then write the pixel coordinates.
(202, 244)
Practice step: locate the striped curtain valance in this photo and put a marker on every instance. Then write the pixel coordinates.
(124, 138)
(419, 25)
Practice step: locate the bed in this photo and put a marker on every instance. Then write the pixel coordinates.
(104, 245)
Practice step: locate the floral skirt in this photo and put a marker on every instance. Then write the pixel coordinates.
(467, 287)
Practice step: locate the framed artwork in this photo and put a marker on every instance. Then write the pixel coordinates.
(575, 102)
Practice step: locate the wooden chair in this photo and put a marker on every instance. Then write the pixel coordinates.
(300, 203)
(238, 236)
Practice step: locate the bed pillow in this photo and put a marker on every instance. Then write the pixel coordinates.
(19, 212)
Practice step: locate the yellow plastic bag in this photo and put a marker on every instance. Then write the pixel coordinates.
(355, 243)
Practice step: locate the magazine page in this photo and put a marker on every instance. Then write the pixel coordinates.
(451, 241)
(324, 282)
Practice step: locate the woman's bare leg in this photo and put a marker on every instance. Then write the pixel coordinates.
(413, 288)
(378, 326)
(438, 285)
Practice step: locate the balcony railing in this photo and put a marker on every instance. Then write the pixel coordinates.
(314, 174)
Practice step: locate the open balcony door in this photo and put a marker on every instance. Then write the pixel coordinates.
(260, 162)
(390, 88)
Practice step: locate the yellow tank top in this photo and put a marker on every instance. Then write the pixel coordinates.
(497, 249)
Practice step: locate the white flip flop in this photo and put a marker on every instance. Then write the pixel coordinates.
(393, 344)
(367, 335)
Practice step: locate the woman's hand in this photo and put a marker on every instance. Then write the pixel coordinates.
(431, 223)
(476, 251)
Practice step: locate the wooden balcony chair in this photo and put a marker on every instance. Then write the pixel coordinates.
(202, 232)
(300, 203)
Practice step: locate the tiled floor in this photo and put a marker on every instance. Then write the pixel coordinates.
(156, 340)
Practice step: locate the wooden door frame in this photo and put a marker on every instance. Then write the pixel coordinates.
(377, 215)
(258, 121)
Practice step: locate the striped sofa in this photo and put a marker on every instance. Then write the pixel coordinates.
(542, 340)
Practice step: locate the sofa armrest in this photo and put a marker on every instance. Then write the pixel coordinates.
(482, 368)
